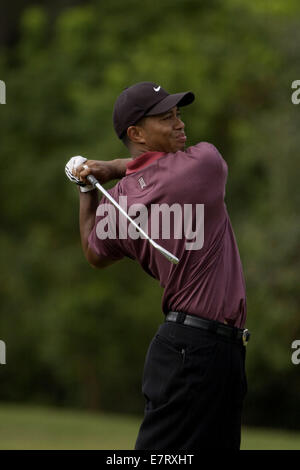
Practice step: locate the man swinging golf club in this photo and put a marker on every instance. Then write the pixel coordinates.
(194, 380)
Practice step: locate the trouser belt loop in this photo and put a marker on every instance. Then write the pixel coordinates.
(213, 326)
(180, 317)
(234, 333)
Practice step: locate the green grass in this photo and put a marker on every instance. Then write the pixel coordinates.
(269, 439)
(23, 427)
(43, 428)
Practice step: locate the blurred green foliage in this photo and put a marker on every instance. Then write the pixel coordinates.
(77, 336)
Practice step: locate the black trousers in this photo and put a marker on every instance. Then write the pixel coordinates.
(194, 383)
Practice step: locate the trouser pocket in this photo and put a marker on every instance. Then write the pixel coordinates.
(163, 370)
(171, 367)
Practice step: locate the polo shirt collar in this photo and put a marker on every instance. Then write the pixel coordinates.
(142, 161)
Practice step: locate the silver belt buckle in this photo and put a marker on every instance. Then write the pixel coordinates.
(246, 336)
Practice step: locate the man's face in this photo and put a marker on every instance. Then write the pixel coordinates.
(164, 132)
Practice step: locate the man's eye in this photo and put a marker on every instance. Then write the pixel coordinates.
(170, 116)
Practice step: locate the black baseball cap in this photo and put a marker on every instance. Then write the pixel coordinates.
(144, 99)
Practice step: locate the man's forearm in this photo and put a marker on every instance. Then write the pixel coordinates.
(119, 166)
(104, 171)
(88, 203)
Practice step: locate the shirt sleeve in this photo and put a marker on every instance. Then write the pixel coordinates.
(104, 248)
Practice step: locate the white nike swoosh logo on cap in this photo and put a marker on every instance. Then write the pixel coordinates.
(156, 89)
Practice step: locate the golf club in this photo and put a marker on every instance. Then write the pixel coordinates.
(162, 250)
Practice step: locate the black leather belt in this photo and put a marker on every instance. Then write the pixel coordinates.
(210, 325)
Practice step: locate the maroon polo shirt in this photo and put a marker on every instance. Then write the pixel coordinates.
(207, 281)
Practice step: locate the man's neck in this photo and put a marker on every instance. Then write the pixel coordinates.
(136, 150)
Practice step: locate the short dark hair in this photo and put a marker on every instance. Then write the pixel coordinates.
(125, 139)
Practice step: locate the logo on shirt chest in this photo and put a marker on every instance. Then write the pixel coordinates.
(142, 182)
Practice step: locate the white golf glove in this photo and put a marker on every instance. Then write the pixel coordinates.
(73, 163)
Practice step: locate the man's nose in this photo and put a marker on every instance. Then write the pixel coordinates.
(179, 124)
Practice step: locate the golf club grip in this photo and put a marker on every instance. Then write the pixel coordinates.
(92, 179)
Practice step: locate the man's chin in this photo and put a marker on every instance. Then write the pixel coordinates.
(181, 147)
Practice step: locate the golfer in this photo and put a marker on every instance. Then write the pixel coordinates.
(194, 380)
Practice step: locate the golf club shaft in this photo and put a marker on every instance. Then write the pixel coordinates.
(162, 250)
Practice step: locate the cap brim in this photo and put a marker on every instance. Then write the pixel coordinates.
(178, 99)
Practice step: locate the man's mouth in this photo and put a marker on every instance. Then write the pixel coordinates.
(181, 138)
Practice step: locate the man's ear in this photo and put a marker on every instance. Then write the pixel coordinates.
(136, 134)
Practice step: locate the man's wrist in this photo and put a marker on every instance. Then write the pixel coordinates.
(91, 192)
